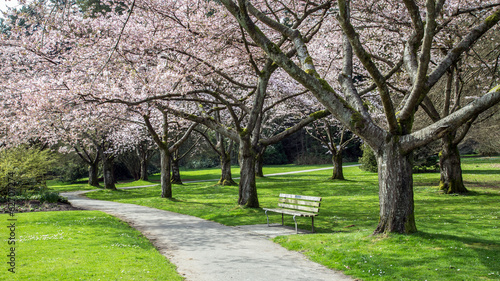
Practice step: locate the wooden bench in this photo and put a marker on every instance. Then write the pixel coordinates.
(296, 206)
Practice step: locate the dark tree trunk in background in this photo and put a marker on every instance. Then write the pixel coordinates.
(247, 186)
(93, 173)
(450, 166)
(259, 163)
(144, 155)
(108, 172)
(224, 152)
(395, 190)
(176, 174)
(92, 159)
(166, 185)
(226, 176)
(338, 173)
(144, 170)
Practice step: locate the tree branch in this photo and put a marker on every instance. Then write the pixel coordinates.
(369, 65)
(450, 122)
(311, 118)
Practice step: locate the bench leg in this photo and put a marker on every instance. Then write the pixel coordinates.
(296, 231)
(282, 219)
(312, 218)
(267, 216)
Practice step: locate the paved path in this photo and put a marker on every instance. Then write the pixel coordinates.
(208, 251)
(205, 251)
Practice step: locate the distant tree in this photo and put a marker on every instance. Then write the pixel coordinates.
(477, 69)
(161, 135)
(335, 138)
(223, 147)
(178, 154)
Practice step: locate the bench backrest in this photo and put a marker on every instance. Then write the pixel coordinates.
(300, 202)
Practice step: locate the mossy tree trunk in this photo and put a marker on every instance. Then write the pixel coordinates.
(108, 171)
(259, 163)
(449, 163)
(338, 173)
(162, 141)
(395, 190)
(144, 155)
(166, 184)
(247, 186)
(144, 170)
(176, 174)
(226, 176)
(92, 159)
(93, 173)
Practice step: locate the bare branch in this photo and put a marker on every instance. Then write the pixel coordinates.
(450, 122)
(369, 65)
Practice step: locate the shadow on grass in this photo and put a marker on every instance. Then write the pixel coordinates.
(481, 172)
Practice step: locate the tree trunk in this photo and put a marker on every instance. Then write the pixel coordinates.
(338, 173)
(259, 164)
(93, 174)
(144, 169)
(449, 164)
(176, 174)
(226, 176)
(247, 187)
(108, 172)
(166, 185)
(142, 153)
(395, 190)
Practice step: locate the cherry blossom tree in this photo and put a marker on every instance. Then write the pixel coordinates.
(475, 70)
(161, 138)
(223, 147)
(133, 74)
(391, 59)
(177, 155)
(394, 140)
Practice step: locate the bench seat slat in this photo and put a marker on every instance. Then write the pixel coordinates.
(291, 212)
(293, 196)
(298, 207)
(300, 202)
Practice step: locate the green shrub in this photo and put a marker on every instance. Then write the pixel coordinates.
(70, 168)
(368, 161)
(275, 155)
(24, 168)
(49, 197)
(425, 159)
(202, 163)
(428, 165)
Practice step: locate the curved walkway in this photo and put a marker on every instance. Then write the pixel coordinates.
(208, 251)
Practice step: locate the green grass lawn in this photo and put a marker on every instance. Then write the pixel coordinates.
(82, 185)
(80, 245)
(458, 238)
(214, 173)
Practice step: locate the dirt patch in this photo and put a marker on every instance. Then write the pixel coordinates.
(25, 206)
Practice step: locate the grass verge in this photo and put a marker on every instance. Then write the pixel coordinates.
(80, 245)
